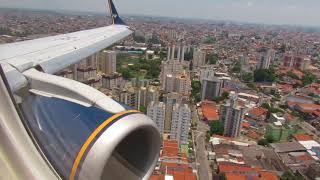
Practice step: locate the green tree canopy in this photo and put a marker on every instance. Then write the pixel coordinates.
(247, 77)
(265, 75)
(209, 40)
(308, 78)
(236, 67)
(195, 91)
(212, 58)
(289, 176)
(216, 127)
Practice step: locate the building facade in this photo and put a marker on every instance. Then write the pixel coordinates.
(199, 58)
(211, 87)
(108, 62)
(181, 117)
(231, 116)
(156, 111)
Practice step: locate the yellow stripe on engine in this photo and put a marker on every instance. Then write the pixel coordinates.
(90, 139)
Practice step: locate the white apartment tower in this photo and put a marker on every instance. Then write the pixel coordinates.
(181, 117)
(199, 58)
(176, 52)
(156, 111)
(108, 62)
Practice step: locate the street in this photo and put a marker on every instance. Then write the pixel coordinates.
(204, 170)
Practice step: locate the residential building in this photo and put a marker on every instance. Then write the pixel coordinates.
(173, 164)
(111, 81)
(130, 97)
(231, 116)
(280, 132)
(156, 111)
(258, 113)
(170, 67)
(84, 74)
(296, 61)
(181, 117)
(152, 95)
(199, 58)
(207, 73)
(182, 84)
(211, 88)
(95, 83)
(176, 52)
(266, 58)
(108, 62)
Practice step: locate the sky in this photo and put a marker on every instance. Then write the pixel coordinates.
(291, 12)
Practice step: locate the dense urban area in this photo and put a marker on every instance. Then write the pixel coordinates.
(232, 101)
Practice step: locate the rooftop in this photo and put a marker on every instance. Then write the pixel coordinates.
(209, 110)
(258, 111)
(287, 147)
(302, 137)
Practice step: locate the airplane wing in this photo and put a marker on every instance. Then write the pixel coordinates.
(55, 53)
(52, 54)
(58, 128)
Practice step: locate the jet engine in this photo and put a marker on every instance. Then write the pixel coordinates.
(84, 134)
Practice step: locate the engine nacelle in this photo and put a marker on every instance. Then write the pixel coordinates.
(85, 134)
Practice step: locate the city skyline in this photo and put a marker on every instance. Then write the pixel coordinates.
(287, 12)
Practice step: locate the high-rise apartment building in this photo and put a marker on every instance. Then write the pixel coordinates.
(231, 116)
(130, 97)
(170, 67)
(176, 52)
(108, 62)
(180, 83)
(181, 117)
(199, 58)
(296, 61)
(211, 88)
(156, 111)
(111, 81)
(266, 58)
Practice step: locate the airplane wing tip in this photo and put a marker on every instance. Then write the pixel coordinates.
(116, 19)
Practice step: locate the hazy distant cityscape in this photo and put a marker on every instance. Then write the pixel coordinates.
(231, 100)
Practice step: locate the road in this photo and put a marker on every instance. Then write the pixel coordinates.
(204, 170)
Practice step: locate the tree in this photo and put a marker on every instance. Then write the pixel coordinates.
(263, 142)
(252, 86)
(195, 91)
(292, 75)
(265, 75)
(289, 176)
(216, 127)
(236, 67)
(270, 139)
(225, 95)
(247, 77)
(209, 40)
(126, 73)
(308, 78)
(212, 58)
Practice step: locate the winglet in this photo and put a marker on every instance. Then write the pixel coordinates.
(114, 14)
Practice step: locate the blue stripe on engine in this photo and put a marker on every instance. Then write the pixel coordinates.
(61, 127)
